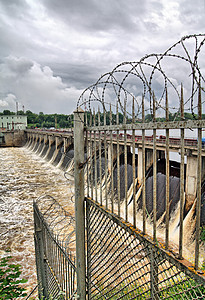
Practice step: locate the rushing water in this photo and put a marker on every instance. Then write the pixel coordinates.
(24, 176)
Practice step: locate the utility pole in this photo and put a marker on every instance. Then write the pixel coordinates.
(55, 122)
(17, 108)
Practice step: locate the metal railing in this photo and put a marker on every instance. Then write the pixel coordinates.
(132, 250)
(54, 239)
(134, 242)
(125, 261)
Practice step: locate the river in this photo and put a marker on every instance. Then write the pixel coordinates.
(24, 177)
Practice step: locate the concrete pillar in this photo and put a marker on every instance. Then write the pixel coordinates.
(109, 160)
(33, 140)
(148, 162)
(45, 139)
(79, 203)
(28, 139)
(148, 158)
(40, 140)
(51, 140)
(65, 144)
(114, 153)
(139, 168)
(191, 181)
(58, 141)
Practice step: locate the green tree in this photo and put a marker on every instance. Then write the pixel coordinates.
(21, 112)
(41, 118)
(31, 117)
(10, 284)
(148, 118)
(8, 112)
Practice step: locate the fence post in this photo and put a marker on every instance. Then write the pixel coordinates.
(41, 257)
(79, 202)
(39, 235)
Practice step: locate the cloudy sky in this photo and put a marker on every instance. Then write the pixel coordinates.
(51, 50)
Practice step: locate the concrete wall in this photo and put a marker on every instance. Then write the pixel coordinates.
(16, 138)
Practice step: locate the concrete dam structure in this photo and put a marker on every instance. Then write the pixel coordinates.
(58, 148)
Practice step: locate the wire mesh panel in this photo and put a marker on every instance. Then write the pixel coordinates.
(55, 262)
(125, 264)
(53, 286)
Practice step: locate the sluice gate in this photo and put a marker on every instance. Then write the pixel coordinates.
(130, 245)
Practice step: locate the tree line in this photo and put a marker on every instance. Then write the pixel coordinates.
(42, 120)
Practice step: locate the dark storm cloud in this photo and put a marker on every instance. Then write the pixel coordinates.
(77, 75)
(64, 46)
(19, 65)
(97, 15)
(17, 33)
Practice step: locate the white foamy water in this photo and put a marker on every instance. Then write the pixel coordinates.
(23, 178)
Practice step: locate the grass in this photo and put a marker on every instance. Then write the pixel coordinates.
(185, 288)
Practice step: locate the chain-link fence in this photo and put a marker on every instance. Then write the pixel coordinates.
(125, 264)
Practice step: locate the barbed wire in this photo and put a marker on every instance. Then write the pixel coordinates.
(151, 78)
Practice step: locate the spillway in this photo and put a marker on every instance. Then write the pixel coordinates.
(25, 176)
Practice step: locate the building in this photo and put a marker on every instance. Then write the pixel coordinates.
(13, 122)
(11, 127)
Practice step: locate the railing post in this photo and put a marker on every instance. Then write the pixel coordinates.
(39, 237)
(79, 202)
(40, 262)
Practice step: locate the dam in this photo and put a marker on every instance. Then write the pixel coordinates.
(40, 168)
(130, 227)
(26, 176)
